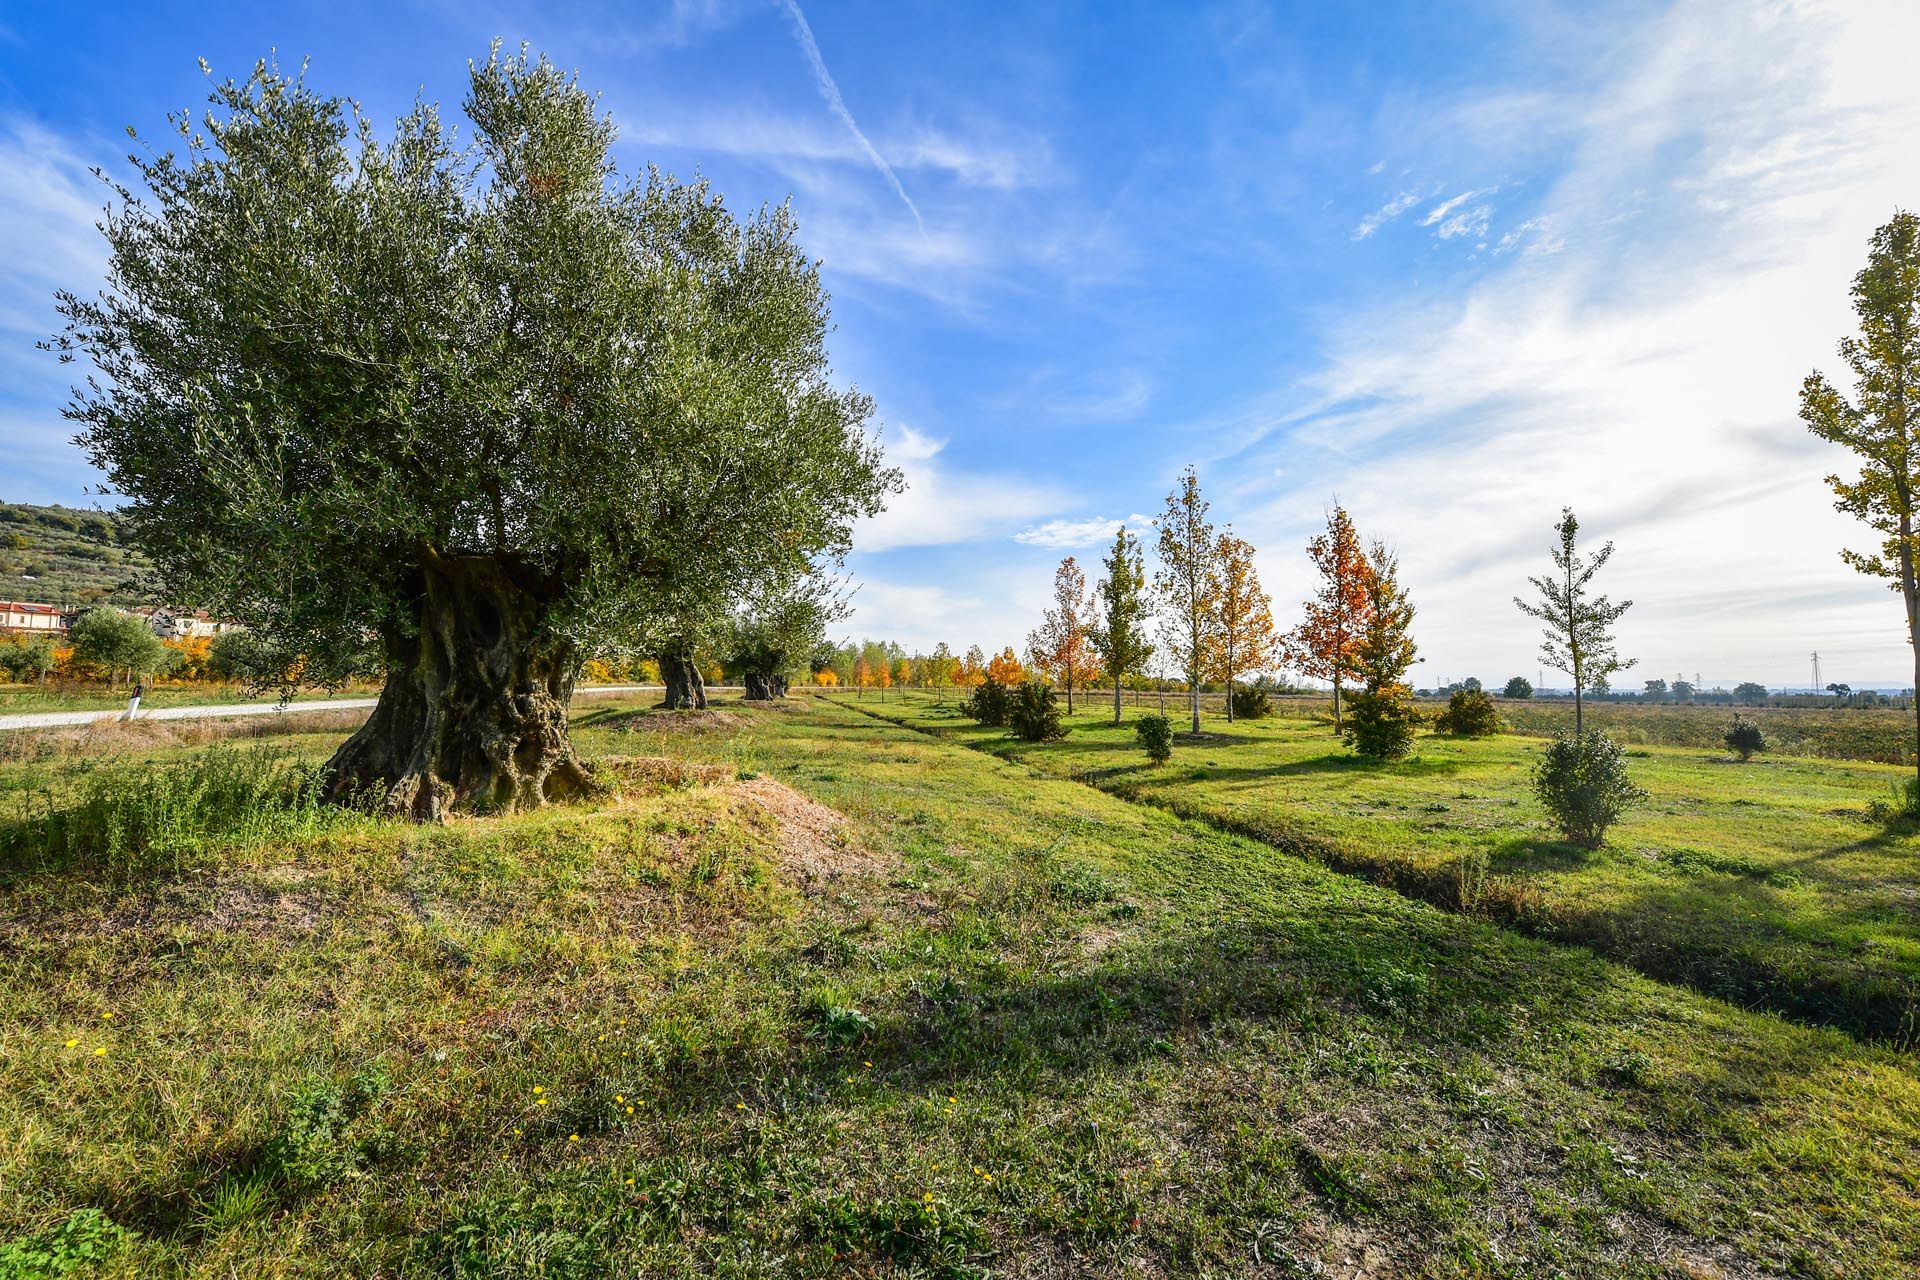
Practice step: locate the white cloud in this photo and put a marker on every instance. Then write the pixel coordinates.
(1062, 535)
(944, 505)
(1446, 207)
(1468, 222)
(50, 202)
(1386, 213)
(987, 157)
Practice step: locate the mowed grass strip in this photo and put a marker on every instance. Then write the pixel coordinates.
(966, 1020)
(1767, 883)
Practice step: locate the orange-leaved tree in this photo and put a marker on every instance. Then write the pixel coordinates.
(973, 667)
(1060, 648)
(1326, 644)
(1005, 668)
(1245, 640)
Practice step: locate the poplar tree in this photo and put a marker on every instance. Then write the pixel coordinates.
(1187, 584)
(1882, 420)
(1578, 635)
(1122, 606)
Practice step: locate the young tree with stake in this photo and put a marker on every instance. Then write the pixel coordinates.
(1325, 645)
(1121, 605)
(1881, 424)
(1187, 584)
(1578, 633)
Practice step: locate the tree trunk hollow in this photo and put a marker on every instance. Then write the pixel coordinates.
(474, 712)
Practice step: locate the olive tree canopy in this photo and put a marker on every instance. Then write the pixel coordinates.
(489, 402)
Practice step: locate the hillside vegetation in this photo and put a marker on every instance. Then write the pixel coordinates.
(68, 557)
(820, 995)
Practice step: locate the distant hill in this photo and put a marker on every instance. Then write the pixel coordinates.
(69, 557)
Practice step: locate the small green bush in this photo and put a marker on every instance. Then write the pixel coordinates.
(989, 703)
(1155, 733)
(1250, 702)
(1470, 713)
(1582, 780)
(1745, 738)
(1905, 803)
(1381, 725)
(1034, 714)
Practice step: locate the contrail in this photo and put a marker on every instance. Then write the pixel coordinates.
(831, 92)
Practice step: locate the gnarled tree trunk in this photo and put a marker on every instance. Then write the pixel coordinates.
(764, 686)
(686, 689)
(474, 712)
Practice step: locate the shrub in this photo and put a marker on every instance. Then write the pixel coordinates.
(1905, 803)
(1034, 715)
(1250, 702)
(1582, 780)
(1381, 725)
(1155, 733)
(1470, 713)
(1745, 738)
(988, 703)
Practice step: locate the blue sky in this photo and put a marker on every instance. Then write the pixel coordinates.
(1454, 265)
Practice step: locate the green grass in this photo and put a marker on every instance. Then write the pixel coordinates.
(1764, 883)
(989, 1021)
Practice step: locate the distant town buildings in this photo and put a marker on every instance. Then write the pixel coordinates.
(25, 617)
(32, 619)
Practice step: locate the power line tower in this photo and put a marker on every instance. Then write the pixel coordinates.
(1816, 671)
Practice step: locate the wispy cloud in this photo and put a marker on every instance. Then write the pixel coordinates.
(1062, 535)
(1386, 213)
(946, 505)
(830, 93)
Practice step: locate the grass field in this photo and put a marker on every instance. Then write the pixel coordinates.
(819, 995)
(1882, 734)
(1763, 883)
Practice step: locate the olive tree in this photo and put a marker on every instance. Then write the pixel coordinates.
(489, 402)
(780, 627)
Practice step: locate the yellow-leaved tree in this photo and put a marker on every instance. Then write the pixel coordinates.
(1244, 641)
